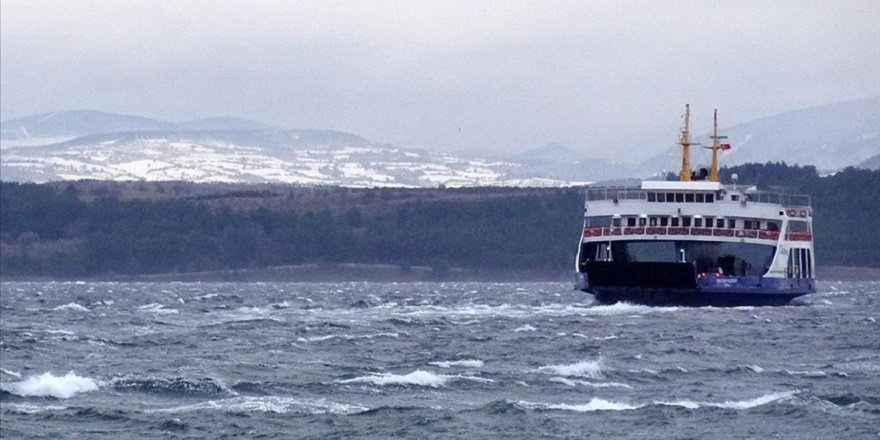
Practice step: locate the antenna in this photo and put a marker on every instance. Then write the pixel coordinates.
(716, 145)
(685, 142)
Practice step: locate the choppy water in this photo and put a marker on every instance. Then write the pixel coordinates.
(454, 360)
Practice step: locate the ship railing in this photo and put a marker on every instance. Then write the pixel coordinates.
(617, 193)
(781, 199)
(609, 231)
(637, 193)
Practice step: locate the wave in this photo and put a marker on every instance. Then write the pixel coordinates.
(157, 309)
(49, 385)
(28, 408)
(273, 404)
(10, 373)
(525, 328)
(468, 363)
(574, 383)
(348, 337)
(597, 404)
(174, 386)
(814, 373)
(72, 307)
(743, 404)
(417, 378)
(594, 404)
(591, 369)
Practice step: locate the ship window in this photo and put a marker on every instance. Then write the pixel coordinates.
(701, 198)
(710, 198)
(615, 222)
(731, 223)
(600, 220)
(719, 223)
(710, 222)
(797, 226)
(664, 221)
(674, 221)
(757, 224)
(670, 197)
(689, 198)
(747, 224)
(643, 221)
(734, 197)
(679, 197)
(652, 221)
(772, 226)
(698, 222)
(631, 221)
(652, 197)
(686, 221)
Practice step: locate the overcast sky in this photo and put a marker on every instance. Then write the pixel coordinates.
(505, 75)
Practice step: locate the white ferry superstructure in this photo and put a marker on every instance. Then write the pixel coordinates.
(696, 241)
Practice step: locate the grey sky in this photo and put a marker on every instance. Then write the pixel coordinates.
(503, 75)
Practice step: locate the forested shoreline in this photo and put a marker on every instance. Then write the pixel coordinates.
(95, 230)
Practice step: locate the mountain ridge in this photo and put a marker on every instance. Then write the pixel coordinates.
(91, 144)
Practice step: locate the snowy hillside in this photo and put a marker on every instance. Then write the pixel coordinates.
(308, 157)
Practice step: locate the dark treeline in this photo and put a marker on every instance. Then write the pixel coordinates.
(99, 229)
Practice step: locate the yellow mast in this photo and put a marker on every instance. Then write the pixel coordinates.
(685, 142)
(716, 145)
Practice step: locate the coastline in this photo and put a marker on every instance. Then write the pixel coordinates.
(317, 273)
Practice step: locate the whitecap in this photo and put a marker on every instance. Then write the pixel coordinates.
(468, 363)
(574, 383)
(594, 404)
(348, 337)
(814, 373)
(10, 373)
(273, 404)
(418, 378)
(592, 369)
(27, 408)
(156, 308)
(743, 404)
(59, 332)
(49, 385)
(73, 307)
(525, 328)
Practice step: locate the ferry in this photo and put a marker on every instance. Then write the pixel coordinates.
(696, 241)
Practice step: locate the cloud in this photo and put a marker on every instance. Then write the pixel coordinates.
(496, 74)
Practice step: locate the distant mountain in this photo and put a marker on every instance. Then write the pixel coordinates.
(307, 157)
(87, 144)
(75, 123)
(872, 163)
(830, 137)
(223, 123)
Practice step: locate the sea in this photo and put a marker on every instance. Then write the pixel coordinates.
(111, 360)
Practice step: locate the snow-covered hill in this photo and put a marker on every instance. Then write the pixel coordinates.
(308, 157)
(89, 144)
(56, 126)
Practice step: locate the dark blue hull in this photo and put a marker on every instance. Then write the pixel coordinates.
(676, 284)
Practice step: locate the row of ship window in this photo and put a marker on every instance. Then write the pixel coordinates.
(687, 197)
(698, 222)
(670, 197)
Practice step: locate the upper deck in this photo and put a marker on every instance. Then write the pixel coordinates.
(695, 192)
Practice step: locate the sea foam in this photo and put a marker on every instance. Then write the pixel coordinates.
(418, 378)
(468, 363)
(49, 385)
(72, 306)
(273, 404)
(591, 369)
